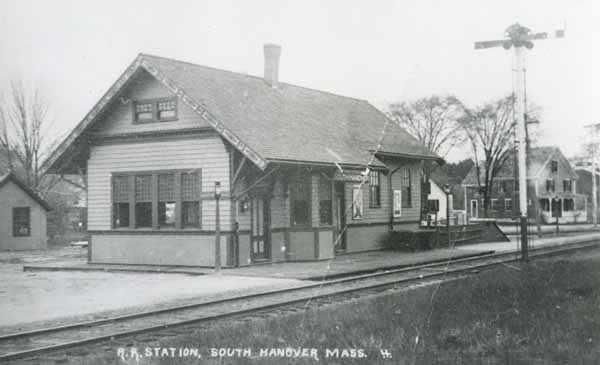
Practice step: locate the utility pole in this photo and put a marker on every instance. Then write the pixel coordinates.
(518, 38)
(594, 127)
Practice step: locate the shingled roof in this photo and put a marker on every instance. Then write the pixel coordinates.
(287, 123)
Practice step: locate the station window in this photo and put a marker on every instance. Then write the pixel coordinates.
(174, 204)
(120, 196)
(325, 202)
(190, 197)
(374, 189)
(406, 188)
(150, 111)
(300, 195)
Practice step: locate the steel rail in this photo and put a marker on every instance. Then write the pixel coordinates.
(496, 259)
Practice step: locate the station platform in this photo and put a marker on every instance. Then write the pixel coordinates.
(341, 265)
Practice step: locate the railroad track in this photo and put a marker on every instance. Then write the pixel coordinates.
(62, 338)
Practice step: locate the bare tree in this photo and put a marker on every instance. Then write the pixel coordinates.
(23, 121)
(489, 130)
(433, 120)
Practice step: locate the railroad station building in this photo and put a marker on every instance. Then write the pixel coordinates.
(298, 174)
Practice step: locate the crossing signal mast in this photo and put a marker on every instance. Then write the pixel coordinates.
(518, 38)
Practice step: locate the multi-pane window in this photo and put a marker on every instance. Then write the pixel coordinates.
(567, 185)
(554, 166)
(144, 112)
(325, 202)
(166, 109)
(21, 221)
(550, 187)
(569, 205)
(190, 197)
(495, 205)
(143, 200)
(374, 189)
(149, 111)
(166, 200)
(300, 195)
(156, 200)
(508, 205)
(120, 196)
(406, 188)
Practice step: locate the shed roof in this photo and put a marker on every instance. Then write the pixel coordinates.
(10, 176)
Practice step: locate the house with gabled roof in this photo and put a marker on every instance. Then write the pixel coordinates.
(551, 180)
(298, 174)
(22, 215)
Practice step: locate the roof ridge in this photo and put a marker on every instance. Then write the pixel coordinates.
(251, 76)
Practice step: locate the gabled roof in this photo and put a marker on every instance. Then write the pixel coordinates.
(537, 160)
(266, 124)
(10, 176)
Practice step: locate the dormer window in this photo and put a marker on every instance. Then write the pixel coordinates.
(152, 111)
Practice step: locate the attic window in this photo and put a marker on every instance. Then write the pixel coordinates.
(152, 111)
(554, 166)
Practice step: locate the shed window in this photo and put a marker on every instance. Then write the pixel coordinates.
(21, 222)
(300, 194)
(120, 192)
(325, 201)
(374, 189)
(406, 188)
(149, 111)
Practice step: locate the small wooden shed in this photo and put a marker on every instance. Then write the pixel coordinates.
(22, 216)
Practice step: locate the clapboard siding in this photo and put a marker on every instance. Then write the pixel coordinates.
(207, 154)
(382, 214)
(413, 212)
(119, 117)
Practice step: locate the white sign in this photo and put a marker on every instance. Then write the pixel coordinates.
(357, 203)
(397, 203)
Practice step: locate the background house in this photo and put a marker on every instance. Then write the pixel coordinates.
(436, 198)
(22, 216)
(551, 183)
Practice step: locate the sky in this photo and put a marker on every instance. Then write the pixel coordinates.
(382, 51)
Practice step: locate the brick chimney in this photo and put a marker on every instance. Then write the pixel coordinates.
(272, 53)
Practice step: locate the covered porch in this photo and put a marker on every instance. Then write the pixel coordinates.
(567, 207)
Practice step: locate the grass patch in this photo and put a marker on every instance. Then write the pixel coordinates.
(544, 312)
